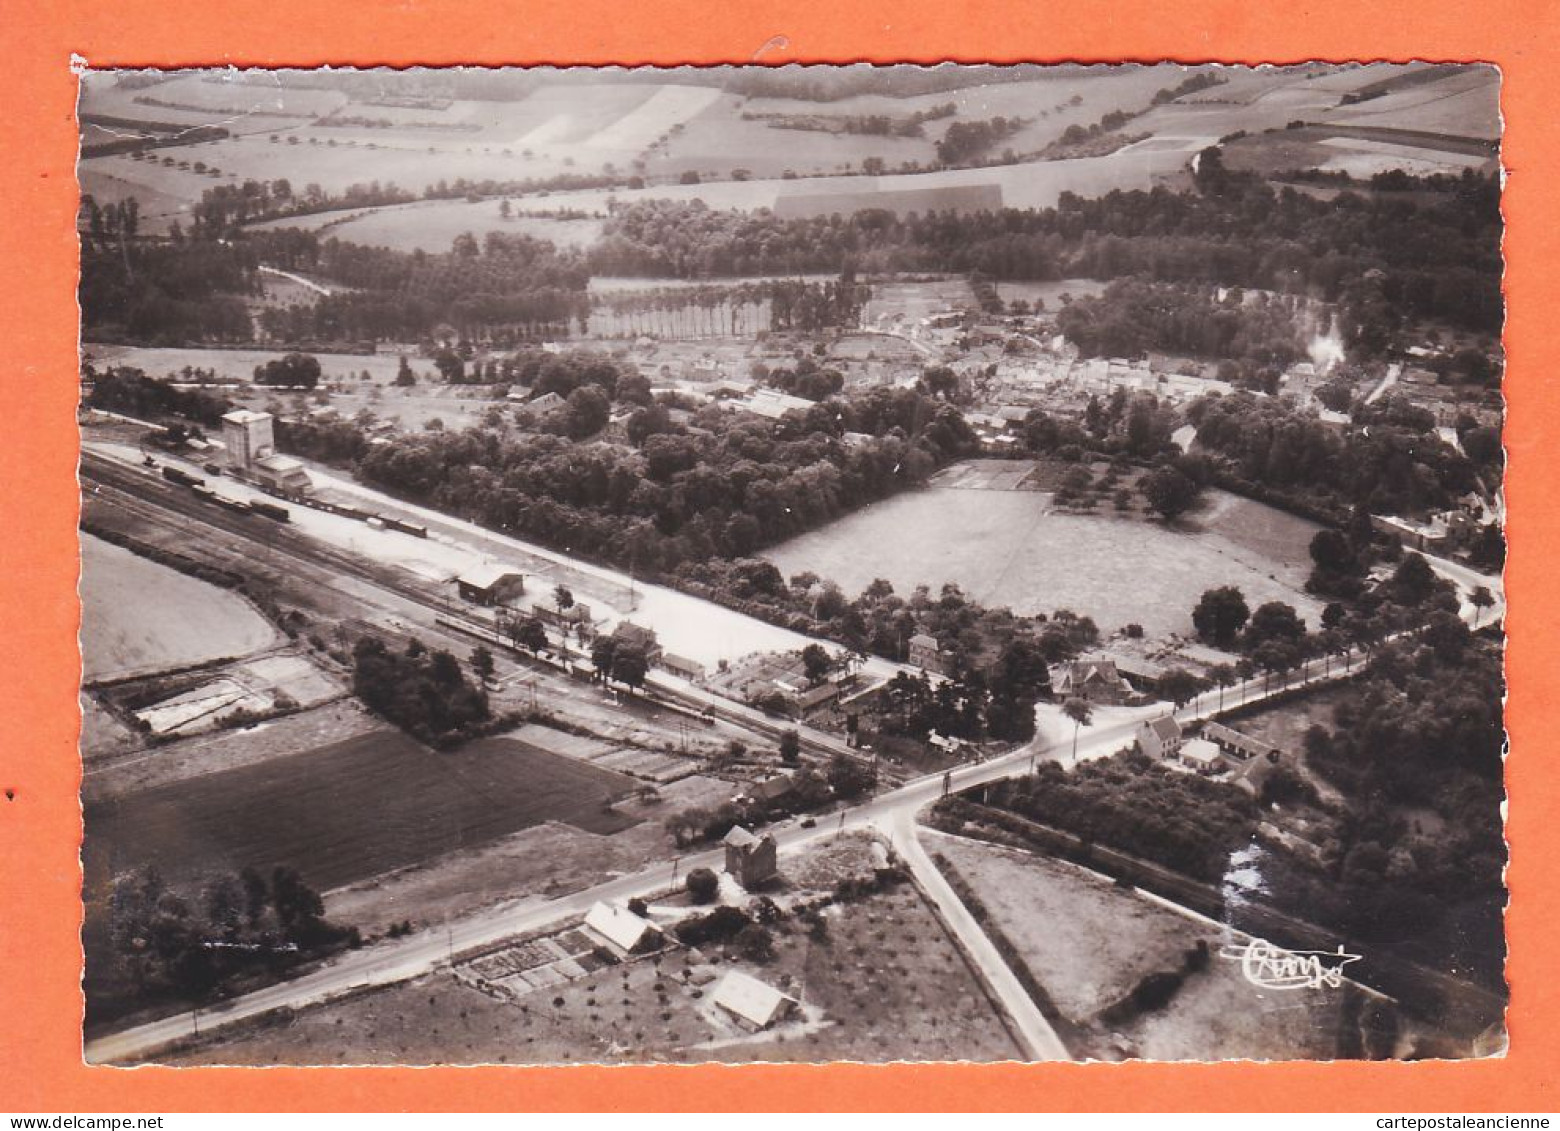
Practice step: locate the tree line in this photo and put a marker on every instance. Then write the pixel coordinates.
(1384, 258)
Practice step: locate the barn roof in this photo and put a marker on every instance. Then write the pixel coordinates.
(486, 575)
(750, 1000)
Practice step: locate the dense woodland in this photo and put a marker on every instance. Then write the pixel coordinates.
(177, 943)
(425, 693)
(191, 289)
(722, 485)
(1396, 466)
(1416, 747)
(1384, 258)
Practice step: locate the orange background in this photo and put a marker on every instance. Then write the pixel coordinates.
(40, 1005)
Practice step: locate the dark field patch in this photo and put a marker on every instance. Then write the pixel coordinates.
(351, 810)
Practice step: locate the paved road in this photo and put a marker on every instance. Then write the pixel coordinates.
(1034, 1031)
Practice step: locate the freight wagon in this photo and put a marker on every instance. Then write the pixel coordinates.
(174, 475)
(270, 510)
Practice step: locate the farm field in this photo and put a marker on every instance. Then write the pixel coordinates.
(551, 859)
(907, 301)
(182, 759)
(1465, 104)
(1050, 292)
(160, 209)
(885, 983)
(433, 225)
(1089, 943)
(350, 810)
(1033, 185)
(1009, 548)
(140, 617)
(719, 140)
(566, 125)
(240, 364)
(216, 91)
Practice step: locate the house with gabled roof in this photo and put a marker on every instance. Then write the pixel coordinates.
(622, 930)
(1161, 737)
(1237, 745)
(1093, 681)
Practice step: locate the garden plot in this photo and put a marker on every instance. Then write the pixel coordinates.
(258, 687)
(652, 765)
(514, 970)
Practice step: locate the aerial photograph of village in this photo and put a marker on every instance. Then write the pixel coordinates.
(792, 564)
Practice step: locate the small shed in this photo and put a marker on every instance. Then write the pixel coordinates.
(682, 666)
(1201, 755)
(754, 1005)
(282, 473)
(490, 584)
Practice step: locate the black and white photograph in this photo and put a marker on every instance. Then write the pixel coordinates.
(957, 563)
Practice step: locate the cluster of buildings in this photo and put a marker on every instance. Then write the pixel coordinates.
(249, 443)
(1216, 750)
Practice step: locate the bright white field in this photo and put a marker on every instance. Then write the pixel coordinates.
(140, 617)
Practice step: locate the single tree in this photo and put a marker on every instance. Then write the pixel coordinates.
(1223, 675)
(1169, 492)
(482, 662)
(1179, 686)
(790, 747)
(630, 666)
(816, 662)
(1220, 615)
(1079, 711)
(703, 885)
(1481, 598)
(531, 635)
